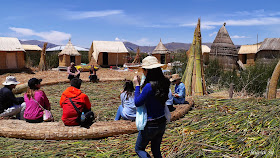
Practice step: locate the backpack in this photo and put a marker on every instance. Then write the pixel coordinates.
(85, 120)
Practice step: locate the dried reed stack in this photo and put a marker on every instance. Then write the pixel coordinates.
(137, 57)
(272, 88)
(42, 65)
(193, 76)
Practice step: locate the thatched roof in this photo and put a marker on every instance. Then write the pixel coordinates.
(223, 44)
(205, 49)
(107, 46)
(249, 49)
(69, 50)
(270, 44)
(10, 44)
(31, 47)
(160, 49)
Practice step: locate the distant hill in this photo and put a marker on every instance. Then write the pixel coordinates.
(39, 43)
(170, 46)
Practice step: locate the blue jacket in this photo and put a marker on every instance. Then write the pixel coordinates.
(181, 91)
(154, 108)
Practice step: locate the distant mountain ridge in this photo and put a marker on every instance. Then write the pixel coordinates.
(39, 43)
(173, 46)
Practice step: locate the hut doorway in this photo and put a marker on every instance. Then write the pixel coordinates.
(105, 58)
(72, 59)
(11, 61)
(162, 58)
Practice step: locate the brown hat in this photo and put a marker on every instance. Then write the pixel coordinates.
(175, 77)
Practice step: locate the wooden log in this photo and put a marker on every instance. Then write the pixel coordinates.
(273, 82)
(57, 131)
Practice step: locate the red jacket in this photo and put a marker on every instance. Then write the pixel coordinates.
(80, 99)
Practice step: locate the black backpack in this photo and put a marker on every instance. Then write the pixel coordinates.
(89, 117)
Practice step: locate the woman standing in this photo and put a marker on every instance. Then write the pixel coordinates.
(127, 110)
(154, 95)
(33, 97)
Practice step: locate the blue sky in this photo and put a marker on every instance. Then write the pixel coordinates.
(141, 22)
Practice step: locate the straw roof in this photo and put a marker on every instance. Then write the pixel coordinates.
(10, 44)
(160, 49)
(249, 49)
(205, 49)
(69, 50)
(107, 46)
(60, 48)
(31, 47)
(270, 44)
(223, 44)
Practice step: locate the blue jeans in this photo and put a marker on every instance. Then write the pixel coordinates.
(152, 132)
(119, 113)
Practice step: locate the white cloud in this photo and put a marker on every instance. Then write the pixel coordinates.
(143, 42)
(117, 39)
(50, 36)
(91, 14)
(212, 34)
(236, 36)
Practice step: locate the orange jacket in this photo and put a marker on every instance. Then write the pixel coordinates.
(80, 99)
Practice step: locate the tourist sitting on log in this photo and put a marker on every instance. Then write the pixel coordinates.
(180, 90)
(9, 104)
(75, 105)
(35, 99)
(127, 110)
(92, 74)
(72, 71)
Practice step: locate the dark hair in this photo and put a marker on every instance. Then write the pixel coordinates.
(128, 88)
(160, 84)
(76, 82)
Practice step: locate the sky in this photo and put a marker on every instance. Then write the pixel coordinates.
(143, 22)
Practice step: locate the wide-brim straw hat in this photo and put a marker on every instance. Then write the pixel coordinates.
(151, 62)
(175, 77)
(10, 80)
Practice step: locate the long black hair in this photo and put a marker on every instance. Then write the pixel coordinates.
(128, 88)
(160, 84)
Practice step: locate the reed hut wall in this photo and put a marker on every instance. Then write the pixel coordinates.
(226, 62)
(247, 59)
(64, 60)
(12, 60)
(113, 59)
(267, 56)
(206, 58)
(162, 58)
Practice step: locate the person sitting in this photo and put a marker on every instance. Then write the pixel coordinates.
(72, 71)
(180, 90)
(33, 97)
(92, 74)
(81, 100)
(127, 110)
(9, 104)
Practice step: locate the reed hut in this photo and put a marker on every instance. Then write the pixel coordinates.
(224, 50)
(269, 50)
(205, 53)
(247, 54)
(161, 53)
(108, 53)
(69, 54)
(32, 54)
(11, 53)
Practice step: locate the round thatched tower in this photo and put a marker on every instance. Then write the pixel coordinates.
(161, 53)
(224, 50)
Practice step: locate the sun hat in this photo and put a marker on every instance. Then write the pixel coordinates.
(10, 80)
(151, 62)
(175, 77)
(34, 81)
